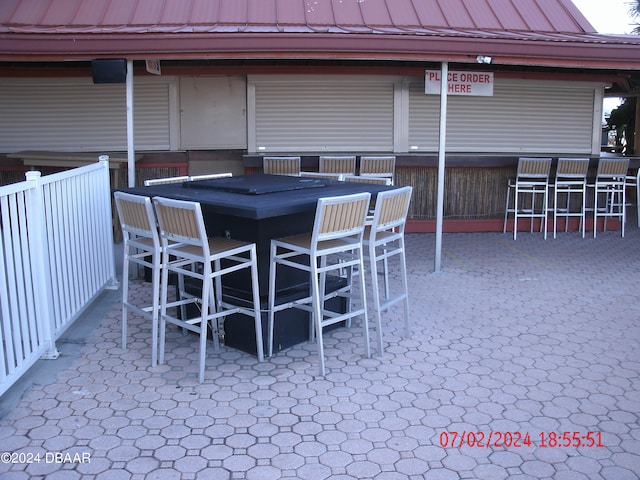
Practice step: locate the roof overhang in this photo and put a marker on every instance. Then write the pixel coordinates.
(581, 51)
(588, 51)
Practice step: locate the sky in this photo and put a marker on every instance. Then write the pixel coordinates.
(607, 16)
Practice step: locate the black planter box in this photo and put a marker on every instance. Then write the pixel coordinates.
(291, 326)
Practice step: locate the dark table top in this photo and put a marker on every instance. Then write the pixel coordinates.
(258, 196)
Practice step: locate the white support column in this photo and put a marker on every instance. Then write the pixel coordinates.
(441, 163)
(131, 158)
(596, 138)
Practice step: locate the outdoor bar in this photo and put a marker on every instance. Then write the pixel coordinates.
(221, 240)
(206, 107)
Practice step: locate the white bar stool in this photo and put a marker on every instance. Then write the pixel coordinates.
(189, 252)
(333, 247)
(384, 238)
(570, 179)
(532, 179)
(141, 247)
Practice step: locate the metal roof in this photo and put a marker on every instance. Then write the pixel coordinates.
(281, 16)
(516, 32)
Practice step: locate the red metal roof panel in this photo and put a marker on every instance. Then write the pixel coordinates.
(376, 12)
(533, 16)
(456, 14)
(59, 16)
(291, 12)
(557, 15)
(144, 10)
(349, 13)
(175, 12)
(233, 12)
(120, 12)
(578, 17)
(28, 12)
(430, 13)
(7, 7)
(261, 12)
(482, 15)
(507, 15)
(88, 12)
(403, 12)
(319, 12)
(204, 12)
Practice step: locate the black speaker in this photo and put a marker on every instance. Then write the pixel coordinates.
(109, 70)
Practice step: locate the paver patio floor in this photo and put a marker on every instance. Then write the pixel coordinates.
(512, 338)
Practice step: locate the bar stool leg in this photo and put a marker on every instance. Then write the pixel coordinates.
(506, 209)
(125, 293)
(256, 304)
(376, 294)
(316, 301)
(515, 211)
(155, 308)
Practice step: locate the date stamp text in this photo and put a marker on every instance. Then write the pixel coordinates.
(521, 439)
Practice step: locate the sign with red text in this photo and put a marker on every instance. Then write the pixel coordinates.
(153, 66)
(460, 83)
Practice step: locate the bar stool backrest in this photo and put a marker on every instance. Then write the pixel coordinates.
(612, 168)
(572, 168)
(391, 210)
(281, 165)
(367, 179)
(137, 216)
(341, 216)
(345, 164)
(182, 222)
(533, 168)
(380, 166)
(166, 180)
(329, 176)
(210, 176)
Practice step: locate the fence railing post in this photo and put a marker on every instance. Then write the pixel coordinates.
(104, 161)
(40, 264)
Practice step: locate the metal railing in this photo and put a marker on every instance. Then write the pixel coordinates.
(56, 256)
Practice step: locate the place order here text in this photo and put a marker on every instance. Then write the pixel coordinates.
(460, 82)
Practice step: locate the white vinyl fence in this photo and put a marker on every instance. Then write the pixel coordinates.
(56, 256)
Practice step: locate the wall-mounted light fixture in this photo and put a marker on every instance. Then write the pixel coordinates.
(484, 59)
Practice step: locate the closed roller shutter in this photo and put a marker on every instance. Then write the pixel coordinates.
(75, 115)
(337, 115)
(522, 116)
